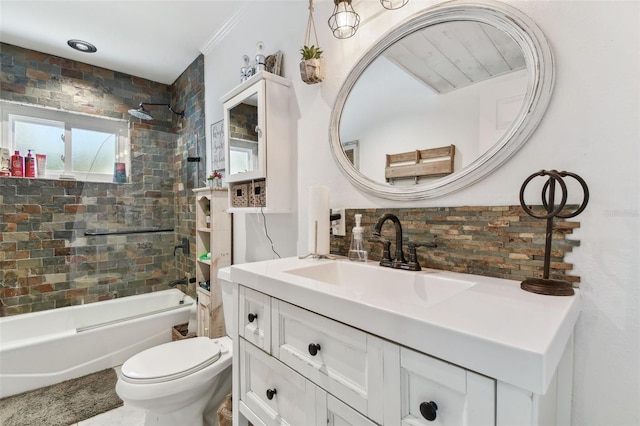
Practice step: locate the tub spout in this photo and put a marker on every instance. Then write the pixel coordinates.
(176, 282)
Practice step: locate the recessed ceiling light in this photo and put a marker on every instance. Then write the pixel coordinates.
(82, 46)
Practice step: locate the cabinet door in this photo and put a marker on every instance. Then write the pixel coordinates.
(344, 361)
(434, 392)
(255, 318)
(203, 314)
(244, 134)
(276, 394)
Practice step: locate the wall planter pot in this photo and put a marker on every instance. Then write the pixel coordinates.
(311, 70)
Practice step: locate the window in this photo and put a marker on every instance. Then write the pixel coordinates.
(77, 146)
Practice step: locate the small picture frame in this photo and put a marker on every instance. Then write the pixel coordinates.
(217, 147)
(274, 63)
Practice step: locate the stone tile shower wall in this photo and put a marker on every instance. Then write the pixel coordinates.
(188, 92)
(501, 241)
(46, 261)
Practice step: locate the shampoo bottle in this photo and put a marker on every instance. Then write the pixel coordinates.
(357, 252)
(29, 166)
(17, 165)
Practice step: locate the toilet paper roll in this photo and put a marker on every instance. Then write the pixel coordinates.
(319, 220)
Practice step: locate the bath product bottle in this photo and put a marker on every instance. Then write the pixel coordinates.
(357, 253)
(17, 165)
(29, 166)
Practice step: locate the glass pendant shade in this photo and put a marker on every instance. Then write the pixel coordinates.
(393, 4)
(344, 21)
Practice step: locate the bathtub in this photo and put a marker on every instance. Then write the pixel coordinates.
(43, 348)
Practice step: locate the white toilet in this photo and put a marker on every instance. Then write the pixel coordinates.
(182, 382)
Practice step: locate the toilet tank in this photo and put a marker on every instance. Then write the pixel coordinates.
(226, 286)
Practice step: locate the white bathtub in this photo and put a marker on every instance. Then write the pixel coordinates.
(43, 348)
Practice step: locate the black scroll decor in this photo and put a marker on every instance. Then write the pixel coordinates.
(545, 285)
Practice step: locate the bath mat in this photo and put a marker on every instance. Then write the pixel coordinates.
(64, 403)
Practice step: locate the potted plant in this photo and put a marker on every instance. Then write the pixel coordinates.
(310, 66)
(215, 179)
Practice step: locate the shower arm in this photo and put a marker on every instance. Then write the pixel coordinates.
(181, 114)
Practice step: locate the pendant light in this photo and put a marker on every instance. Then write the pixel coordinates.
(393, 4)
(344, 21)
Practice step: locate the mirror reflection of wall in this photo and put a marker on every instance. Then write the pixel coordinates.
(243, 137)
(440, 88)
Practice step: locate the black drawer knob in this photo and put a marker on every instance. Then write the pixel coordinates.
(313, 349)
(271, 393)
(428, 410)
(252, 317)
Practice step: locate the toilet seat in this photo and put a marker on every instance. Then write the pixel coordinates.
(171, 361)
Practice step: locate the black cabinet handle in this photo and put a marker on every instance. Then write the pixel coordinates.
(271, 393)
(313, 349)
(252, 317)
(428, 410)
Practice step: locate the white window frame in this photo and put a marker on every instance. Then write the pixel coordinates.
(35, 114)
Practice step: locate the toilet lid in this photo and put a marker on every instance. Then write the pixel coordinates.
(171, 360)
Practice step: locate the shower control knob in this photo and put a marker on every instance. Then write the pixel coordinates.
(271, 393)
(313, 349)
(428, 410)
(251, 317)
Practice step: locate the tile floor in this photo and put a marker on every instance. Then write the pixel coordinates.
(122, 416)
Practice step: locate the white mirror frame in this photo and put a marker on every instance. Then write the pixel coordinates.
(540, 71)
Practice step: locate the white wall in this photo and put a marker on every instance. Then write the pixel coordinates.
(591, 128)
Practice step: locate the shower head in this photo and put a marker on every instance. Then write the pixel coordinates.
(143, 114)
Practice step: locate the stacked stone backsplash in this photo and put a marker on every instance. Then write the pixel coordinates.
(501, 241)
(46, 261)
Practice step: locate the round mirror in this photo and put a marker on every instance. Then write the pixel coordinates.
(441, 101)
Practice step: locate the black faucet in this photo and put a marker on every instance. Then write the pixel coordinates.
(399, 255)
(399, 261)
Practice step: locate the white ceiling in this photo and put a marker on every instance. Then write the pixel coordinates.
(152, 39)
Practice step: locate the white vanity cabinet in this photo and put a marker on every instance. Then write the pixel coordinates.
(301, 368)
(258, 144)
(490, 354)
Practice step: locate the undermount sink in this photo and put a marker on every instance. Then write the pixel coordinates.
(371, 282)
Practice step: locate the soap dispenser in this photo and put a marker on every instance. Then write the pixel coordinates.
(357, 252)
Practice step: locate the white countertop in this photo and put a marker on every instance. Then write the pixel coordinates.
(493, 328)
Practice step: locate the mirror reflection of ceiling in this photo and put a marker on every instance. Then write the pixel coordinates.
(456, 54)
(459, 83)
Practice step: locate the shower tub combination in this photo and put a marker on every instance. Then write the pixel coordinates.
(48, 347)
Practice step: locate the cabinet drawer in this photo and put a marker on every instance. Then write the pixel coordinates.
(344, 361)
(293, 399)
(255, 318)
(462, 397)
(333, 412)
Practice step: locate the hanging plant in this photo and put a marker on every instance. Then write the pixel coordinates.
(311, 64)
